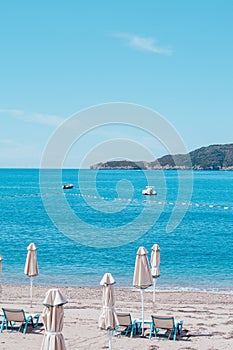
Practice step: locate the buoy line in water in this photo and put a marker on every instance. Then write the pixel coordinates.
(129, 200)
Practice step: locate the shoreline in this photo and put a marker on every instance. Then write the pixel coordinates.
(208, 318)
(160, 289)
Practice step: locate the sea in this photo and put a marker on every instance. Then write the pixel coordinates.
(99, 224)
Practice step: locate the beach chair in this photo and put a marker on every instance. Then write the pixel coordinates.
(126, 325)
(166, 324)
(17, 320)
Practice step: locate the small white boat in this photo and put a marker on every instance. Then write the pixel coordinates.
(149, 191)
(67, 186)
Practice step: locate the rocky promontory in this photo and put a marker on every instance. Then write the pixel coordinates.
(213, 157)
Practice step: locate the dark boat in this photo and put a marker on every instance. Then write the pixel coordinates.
(67, 186)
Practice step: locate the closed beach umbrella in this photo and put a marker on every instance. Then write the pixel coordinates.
(142, 276)
(108, 318)
(53, 318)
(31, 265)
(155, 262)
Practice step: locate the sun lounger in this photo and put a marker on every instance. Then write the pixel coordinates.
(17, 320)
(126, 325)
(166, 324)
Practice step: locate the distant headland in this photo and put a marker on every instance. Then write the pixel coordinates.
(213, 157)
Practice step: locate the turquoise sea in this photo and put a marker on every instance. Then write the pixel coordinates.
(196, 255)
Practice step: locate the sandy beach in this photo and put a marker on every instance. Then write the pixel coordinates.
(208, 318)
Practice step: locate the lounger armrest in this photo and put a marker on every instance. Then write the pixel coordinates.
(34, 319)
(32, 315)
(28, 317)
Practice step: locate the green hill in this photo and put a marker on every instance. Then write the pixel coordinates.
(213, 157)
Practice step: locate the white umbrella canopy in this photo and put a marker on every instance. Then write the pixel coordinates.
(108, 318)
(31, 265)
(142, 276)
(155, 262)
(53, 318)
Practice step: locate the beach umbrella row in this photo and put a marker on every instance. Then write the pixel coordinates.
(54, 301)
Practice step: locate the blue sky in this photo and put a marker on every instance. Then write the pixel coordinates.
(59, 57)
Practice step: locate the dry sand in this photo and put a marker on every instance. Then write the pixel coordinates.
(208, 319)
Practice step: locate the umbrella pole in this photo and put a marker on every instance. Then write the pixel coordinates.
(109, 332)
(31, 282)
(0, 276)
(142, 297)
(154, 283)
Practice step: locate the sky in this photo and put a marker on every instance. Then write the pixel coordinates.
(61, 57)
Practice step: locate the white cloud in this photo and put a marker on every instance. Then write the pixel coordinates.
(6, 141)
(145, 44)
(33, 117)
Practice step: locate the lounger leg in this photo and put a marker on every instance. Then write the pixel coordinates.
(150, 336)
(153, 330)
(29, 319)
(25, 327)
(180, 326)
(3, 324)
(37, 321)
(178, 329)
(132, 331)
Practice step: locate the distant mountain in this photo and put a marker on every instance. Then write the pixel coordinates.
(213, 157)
